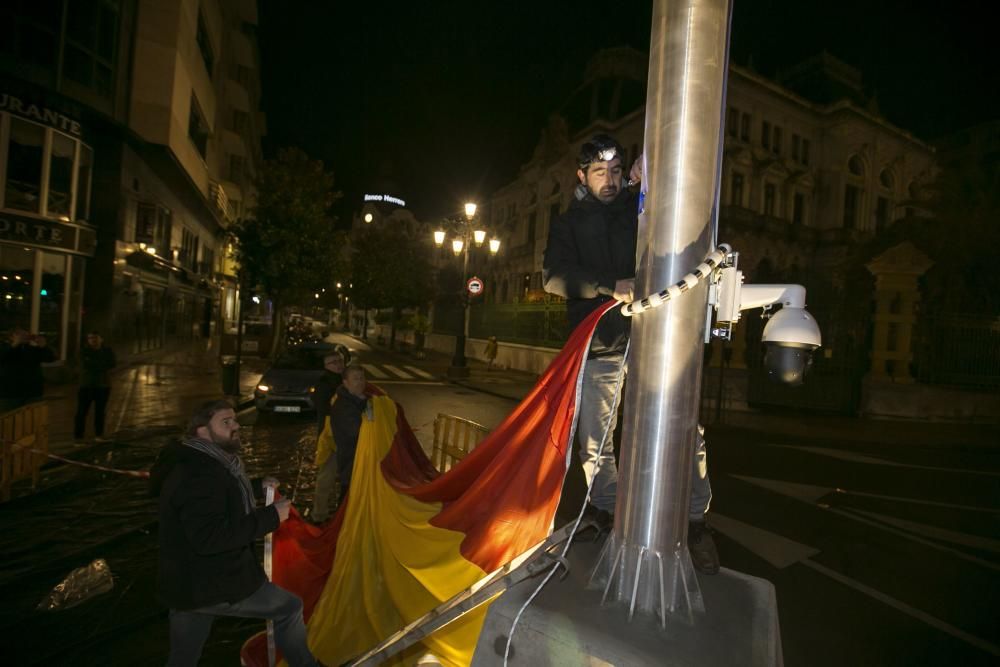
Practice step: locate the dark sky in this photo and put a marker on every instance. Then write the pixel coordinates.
(444, 100)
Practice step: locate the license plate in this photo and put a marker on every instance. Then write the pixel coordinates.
(287, 408)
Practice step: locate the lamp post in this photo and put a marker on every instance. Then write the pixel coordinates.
(460, 246)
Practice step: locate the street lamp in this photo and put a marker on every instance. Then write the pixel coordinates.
(460, 247)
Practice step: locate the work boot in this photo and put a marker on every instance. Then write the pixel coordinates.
(601, 520)
(704, 555)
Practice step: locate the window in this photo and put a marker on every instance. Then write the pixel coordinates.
(17, 268)
(795, 147)
(91, 44)
(145, 224)
(23, 189)
(805, 152)
(736, 189)
(881, 215)
(532, 219)
(776, 144)
(798, 208)
(733, 123)
(852, 198)
(198, 128)
(855, 166)
(745, 127)
(29, 31)
(188, 254)
(769, 199)
(765, 134)
(84, 174)
(886, 180)
(205, 45)
(61, 175)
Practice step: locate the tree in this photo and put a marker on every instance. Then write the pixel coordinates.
(390, 270)
(287, 247)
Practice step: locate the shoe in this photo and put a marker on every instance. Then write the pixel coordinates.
(704, 555)
(601, 520)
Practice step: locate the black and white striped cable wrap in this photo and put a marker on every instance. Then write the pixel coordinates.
(710, 263)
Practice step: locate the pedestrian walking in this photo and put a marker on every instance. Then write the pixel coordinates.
(96, 362)
(491, 352)
(209, 521)
(21, 378)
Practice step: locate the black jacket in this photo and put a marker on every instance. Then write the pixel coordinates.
(94, 366)
(206, 540)
(21, 370)
(325, 389)
(345, 420)
(591, 246)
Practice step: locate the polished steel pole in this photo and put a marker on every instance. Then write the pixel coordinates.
(645, 562)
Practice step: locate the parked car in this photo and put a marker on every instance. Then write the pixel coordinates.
(288, 385)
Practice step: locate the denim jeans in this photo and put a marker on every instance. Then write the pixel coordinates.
(190, 628)
(597, 407)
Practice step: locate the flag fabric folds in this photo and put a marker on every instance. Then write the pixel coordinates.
(408, 538)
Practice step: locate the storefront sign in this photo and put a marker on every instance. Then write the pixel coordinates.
(47, 234)
(40, 114)
(389, 199)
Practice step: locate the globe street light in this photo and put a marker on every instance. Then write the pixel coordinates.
(460, 247)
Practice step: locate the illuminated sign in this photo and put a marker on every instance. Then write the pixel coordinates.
(42, 114)
(388, 199)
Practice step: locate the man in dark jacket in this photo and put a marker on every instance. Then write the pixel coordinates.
(348, 408)
(96, 362)
(326, 473)
(590, 260)
(21, 379)
(208, 524)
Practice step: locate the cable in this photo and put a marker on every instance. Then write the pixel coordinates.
(708, 265)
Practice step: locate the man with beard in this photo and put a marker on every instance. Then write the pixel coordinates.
(326, 462)
(208, 524)
(589, 260)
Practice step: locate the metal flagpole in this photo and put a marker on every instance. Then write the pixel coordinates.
(268, 548)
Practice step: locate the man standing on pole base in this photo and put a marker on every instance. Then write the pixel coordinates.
(208, 524)
(590, 259)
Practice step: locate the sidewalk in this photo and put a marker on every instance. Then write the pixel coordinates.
(514, 385)
(155, 389)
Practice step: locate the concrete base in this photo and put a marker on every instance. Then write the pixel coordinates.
(566, 625)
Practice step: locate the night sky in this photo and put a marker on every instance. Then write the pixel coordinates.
(440, 102)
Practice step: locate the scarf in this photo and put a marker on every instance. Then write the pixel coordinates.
(230, 462)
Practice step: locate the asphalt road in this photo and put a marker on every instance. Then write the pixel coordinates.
(881, 555)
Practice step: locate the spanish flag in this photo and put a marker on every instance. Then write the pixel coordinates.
(409, 538)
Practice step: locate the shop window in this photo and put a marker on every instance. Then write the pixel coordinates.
(61, 175)
(17, 269)
(51, 293)
(84, 175)
(22, 190)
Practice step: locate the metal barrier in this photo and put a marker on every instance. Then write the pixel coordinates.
(454, 438)
(24, 445)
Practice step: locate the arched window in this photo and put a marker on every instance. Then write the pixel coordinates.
(886, 180)
(856, 166)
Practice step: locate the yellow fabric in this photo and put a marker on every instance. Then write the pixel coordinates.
(325, 445)
(387, 549)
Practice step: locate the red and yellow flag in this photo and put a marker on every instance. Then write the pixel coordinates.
(408, 538)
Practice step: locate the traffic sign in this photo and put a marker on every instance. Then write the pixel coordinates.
(475, 286)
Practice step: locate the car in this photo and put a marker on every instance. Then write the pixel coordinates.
(289, 384)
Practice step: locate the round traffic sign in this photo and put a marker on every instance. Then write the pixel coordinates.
(475, 286)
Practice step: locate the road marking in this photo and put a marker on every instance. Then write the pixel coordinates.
(374, 371)
(399, 372)
(812, 494)
(782, 552)
(421, 373)
(435, 383)
(965, 539)
(854, 457)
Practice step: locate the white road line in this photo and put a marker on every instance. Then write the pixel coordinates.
(399, 372)
(435, 383)
(854, 457)
(374, 371)
(421, 373)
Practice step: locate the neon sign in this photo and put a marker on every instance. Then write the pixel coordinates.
(389, 199)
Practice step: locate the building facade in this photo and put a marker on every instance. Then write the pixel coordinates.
(129, 138)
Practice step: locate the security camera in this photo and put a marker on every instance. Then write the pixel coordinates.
(791, 334)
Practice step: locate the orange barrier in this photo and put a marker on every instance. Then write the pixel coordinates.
(454, 438)
(24, 445)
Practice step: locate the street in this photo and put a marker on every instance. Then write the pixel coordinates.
(882, 553)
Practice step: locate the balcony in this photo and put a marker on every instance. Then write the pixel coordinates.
(220, 202)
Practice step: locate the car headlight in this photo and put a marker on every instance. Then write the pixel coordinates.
(263, 388)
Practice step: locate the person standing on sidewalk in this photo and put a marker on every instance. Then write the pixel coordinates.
(590, 260)
(21, 378)
(208, 524)
(96, 362)
(326, 461)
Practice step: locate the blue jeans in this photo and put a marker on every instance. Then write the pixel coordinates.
(597, 406)
(190, 628)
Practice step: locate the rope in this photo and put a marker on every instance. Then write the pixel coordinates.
(141, 474)
(708, 265)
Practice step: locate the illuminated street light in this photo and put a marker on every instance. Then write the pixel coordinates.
(494, 246)
(470, 210)
(479, 235)
(456, 246)
(369, 217)
(338, 285)
(439, 238)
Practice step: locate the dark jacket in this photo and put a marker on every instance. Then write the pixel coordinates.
(590, 247)
(94, 366)
(21, 370)
(325, 389)
(206, 540)
(345, 420)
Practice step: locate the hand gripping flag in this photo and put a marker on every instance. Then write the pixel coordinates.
(408, 538)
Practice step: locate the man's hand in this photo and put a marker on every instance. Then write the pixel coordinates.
(623, 289)
(270, 482)
(635, 174)
(283, 506)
